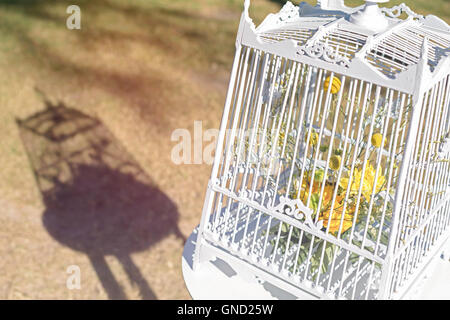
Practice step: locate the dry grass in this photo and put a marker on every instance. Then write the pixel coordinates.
(142, 68)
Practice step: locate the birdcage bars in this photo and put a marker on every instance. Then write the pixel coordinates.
(248, 95)
(270, 145)
(426, 199)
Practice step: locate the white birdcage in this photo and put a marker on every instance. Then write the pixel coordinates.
(331, 173)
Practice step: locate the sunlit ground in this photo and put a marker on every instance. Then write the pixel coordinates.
(138, 69)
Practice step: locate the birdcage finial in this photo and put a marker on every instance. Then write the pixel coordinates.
(371, 16)
(327, 4)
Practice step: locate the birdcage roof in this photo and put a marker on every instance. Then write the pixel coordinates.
(326, 32)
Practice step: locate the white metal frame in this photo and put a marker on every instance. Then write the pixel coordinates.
(262, 60)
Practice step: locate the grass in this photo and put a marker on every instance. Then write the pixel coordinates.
(143, 68)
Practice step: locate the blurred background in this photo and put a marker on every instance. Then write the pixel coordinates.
(86, 118)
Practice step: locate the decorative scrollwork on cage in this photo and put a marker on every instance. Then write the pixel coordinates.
(320, 50)
(288, 12)
(296, 209)
(397, 11)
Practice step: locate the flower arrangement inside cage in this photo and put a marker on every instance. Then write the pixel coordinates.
(335, 179)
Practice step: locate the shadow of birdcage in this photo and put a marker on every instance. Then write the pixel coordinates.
(98, 199)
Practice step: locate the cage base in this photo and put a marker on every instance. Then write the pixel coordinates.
(217, 279)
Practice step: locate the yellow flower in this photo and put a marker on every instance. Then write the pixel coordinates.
(336, 217)
(377, 140)
(367, 182)
(335, 85)
(313, 139)
(326, 204)
(335, 162)
(315, 189)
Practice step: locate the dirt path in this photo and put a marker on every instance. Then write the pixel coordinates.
(86, 177)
